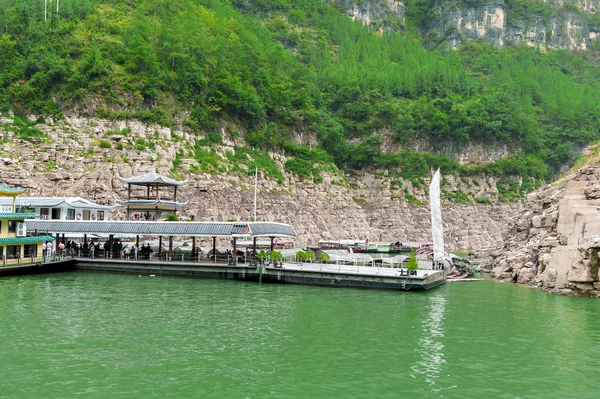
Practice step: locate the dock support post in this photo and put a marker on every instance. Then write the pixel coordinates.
(170, 247)
(234, 254)
(215, 248)
(193, 247)
(272, 243)
(110, 246)
(254, 250)
(159, 246)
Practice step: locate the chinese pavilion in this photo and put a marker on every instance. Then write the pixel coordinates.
(151, 196)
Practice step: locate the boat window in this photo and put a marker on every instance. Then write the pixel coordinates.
(86, 215)
(71, 214)
(12, 226)
(13, 251)
(55, 213)
(30, 251)
(100, 215)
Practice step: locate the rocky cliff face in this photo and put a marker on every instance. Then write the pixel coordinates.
(71, 161)
(554, 24)
(378, 14)
(554, 244)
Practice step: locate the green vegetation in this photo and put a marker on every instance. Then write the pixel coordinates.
(510, 190)
(23, 129)
(305, 256)
(105, 144)
(458, 196)
(483, 201)
(262, 255)
(324, 258)
(171, 217)
(252, 160)
(272, 69)
(275, 256)
(412, 261)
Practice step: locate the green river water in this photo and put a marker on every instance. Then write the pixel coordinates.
(92, 335)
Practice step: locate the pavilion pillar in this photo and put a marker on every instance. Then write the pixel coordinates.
(272, 243)
(148, 192)
(85, 238)
(254, 248)
(57, 242)
(170, 247)
(129, 192)
(215, 248)
(159, 246)
(63, 238)
(175, 195)
(156, 214)
(234, 253)
(137, 241)
(14, 204)
(110, 246)
(193, 247)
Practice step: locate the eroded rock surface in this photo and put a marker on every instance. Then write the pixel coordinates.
(554, 244)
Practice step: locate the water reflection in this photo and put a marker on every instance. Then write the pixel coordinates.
(430, 346)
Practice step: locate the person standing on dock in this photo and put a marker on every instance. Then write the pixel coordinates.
(92, 249)
(49, 248)
(135, 252)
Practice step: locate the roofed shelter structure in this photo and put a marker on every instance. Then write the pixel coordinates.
(233, 230)
(6, 191)
(15, 245)
(151, 196)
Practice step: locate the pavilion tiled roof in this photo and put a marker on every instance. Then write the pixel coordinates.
(24, 240)
(152, 178)
(6, 190)
(133, 203)
(18, 215)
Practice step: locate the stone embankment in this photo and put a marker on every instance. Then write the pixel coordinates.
(554, 243)
(83, 156)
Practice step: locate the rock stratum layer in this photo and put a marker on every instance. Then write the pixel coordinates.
(70, 161)
(555, 243)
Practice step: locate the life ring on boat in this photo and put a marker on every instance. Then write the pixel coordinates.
(79, 216)
(93, 217)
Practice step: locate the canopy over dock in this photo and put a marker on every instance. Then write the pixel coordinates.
(198, 229)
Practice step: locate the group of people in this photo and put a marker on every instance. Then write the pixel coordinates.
(92, 249)
(144, 252)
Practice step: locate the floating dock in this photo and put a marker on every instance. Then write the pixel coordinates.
(291, 273)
